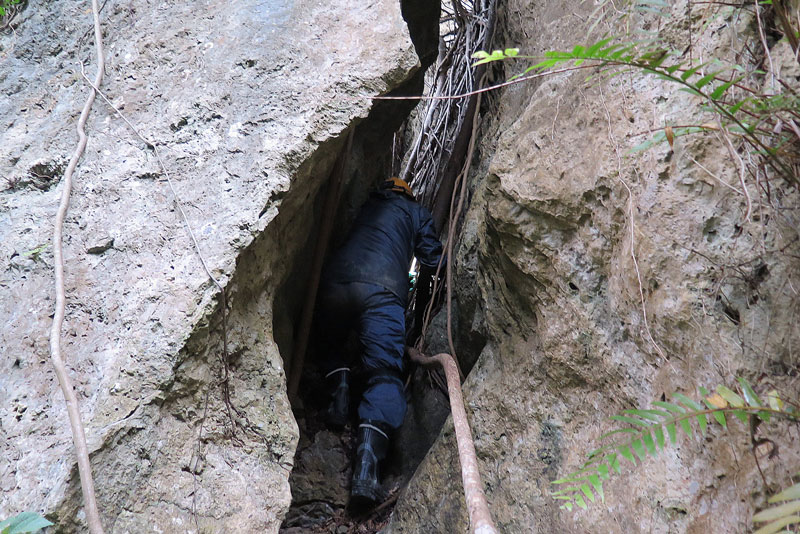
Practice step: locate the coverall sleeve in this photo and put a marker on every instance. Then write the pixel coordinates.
(428, 249)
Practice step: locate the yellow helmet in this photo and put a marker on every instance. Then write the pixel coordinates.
(396, 184)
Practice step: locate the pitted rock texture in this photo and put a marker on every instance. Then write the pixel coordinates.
(560, 208)
(248, 101)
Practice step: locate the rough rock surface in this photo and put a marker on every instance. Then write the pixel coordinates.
(248, 101)
(559, 212)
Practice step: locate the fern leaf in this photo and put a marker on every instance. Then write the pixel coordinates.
(702, 420)
(638, 448)
(618, 54)
(580, 502)
(716, 402)
(741, 415)
(626, 453)
(659, 432)
(777, 512)
(719, 91)
(673, 433)
(630, 420)
(692, 91)
(674, 408)
(588, 492)
(749, 395)
(687, 427)
(603, 472)
(774, 400)
(649, 443)
(613, 462)
(594, 50)
(787, 494)
(652, 415)
(594, 480)
(619, 431)
(705, 80)
(673, 68)
(732, 398)
(691, 72)
(778, 525)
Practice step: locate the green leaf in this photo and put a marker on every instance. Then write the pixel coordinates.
(778, 525)
(692, 91)
(687, 427)
(719, 91)
(776, 512)
(673, 433)
(689, 73)
(511, 52)
(613, 462)
(587, 491)
(480, 54)
(567, 506)
(580, 502)
(674, 408)
(577, 52)
(787, 494)
(649, 443)
(626, 453)
(689, 403)
(644, 414)
(732, 398)
(620, 431)
(659, 432)
(594, 480)
(630, 420)
(705, 80)
(603, 472)
(672, 69)
(592, 51)
(23, 523)
(720, 417)
(749, 395)
(702, 420)
(741, 415)
(638, 448)
(694, 405)
(617, 55)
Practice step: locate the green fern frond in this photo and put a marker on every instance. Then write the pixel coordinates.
(782, 515)
(643, 433)
(711, 81)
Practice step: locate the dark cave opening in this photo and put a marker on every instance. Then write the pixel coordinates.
(320, 478)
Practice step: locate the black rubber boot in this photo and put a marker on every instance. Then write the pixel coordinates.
(338, 412)
(373, 443)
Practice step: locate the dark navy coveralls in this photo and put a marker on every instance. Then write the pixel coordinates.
(365, 286)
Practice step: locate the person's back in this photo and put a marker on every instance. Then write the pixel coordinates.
(390, 229)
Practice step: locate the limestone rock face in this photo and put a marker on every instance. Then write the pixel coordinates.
(559, 213)
(247, 101)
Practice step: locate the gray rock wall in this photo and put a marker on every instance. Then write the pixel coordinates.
(248, 101)
(548, 244)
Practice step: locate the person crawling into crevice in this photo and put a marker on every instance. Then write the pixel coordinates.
(365, 288)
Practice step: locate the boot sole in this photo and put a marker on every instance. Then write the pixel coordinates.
(364, 495)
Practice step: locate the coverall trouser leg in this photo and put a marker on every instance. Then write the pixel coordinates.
(379, 317)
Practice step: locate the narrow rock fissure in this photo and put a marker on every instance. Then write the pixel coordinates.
(320, 477)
